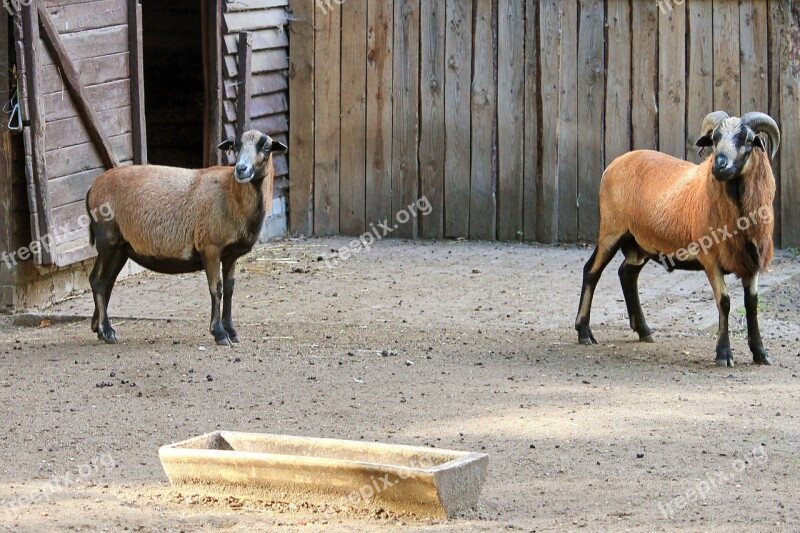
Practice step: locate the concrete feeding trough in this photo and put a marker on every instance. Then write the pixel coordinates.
(426, 482)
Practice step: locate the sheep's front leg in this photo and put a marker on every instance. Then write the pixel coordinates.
(229, 283)
(717, 279)
(212, 265)
(760, 356)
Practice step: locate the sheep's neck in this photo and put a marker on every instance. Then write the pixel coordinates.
(744, 209)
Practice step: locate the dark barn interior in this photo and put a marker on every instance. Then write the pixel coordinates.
(174, 82)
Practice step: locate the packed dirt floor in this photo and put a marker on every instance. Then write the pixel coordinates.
(457, 345)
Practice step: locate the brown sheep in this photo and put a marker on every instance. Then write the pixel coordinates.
(175, 221)
(716, 217)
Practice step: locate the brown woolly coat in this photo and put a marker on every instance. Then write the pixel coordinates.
(166, 212)
(667, 204)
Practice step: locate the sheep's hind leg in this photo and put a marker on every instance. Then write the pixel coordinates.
(717, 279)
(107, 267)
(229, 283)
(635, 260)
(760, 355)
(212, 265)
(591, 275)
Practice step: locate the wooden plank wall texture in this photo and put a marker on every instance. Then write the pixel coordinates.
(504, 113)
(97, 44)
(269, 107)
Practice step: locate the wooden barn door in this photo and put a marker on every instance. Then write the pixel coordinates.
(83, 110)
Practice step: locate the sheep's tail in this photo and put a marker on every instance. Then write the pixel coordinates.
(91, 225)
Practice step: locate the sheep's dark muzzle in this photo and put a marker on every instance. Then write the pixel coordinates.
(244, 173)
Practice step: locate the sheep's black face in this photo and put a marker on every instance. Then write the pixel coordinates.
(732, 143)
(253, 153)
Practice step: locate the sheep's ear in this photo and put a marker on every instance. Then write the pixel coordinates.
(705, 141)
(278, 148)
(227, 146)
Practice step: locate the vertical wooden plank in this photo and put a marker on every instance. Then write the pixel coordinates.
(301, 118)
(700, 96)
(380, 42)
(591, 128)
(754, 56)
(214, 93)
(354, 118)
(644, 44)
(547, 190)
(244, 89)
(35, 168)
(532, 147)
(432, 131)
(483, 207)
(6, 168)
(672, 81)
(327, 123)
(775, 39)
(458, 118)
(405, 150)
(790, 127)
(618, 97)
(568, 125)
(510, 118)
(726, 57)
(135, 58)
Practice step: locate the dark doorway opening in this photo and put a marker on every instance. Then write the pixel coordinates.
(174, 82)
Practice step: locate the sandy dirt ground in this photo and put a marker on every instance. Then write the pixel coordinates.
(458, 345)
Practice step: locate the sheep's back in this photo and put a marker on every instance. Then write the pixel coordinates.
(654, 197)
(154, 208)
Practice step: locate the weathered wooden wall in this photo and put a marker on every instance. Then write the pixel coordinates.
(504, 113)
(269, 106)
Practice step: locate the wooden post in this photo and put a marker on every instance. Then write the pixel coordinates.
(6, 206)
(301, 118)
(458, 117)
(591, 100)
(790, 129)
(35, 169)
(244, 85)
(211, 15)
(138, 122)
(352, 182)
(511, 118)
(547, 186)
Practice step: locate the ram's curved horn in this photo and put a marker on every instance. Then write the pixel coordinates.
(763, 123)
(711, 121)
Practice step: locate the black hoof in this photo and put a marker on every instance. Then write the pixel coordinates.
(233, 335)
(587, 341)
(647, 338)
(724, 357)
(225, 341)
(760, 357)
(109, 337)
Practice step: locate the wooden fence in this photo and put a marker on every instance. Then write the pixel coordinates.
(504, 113)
